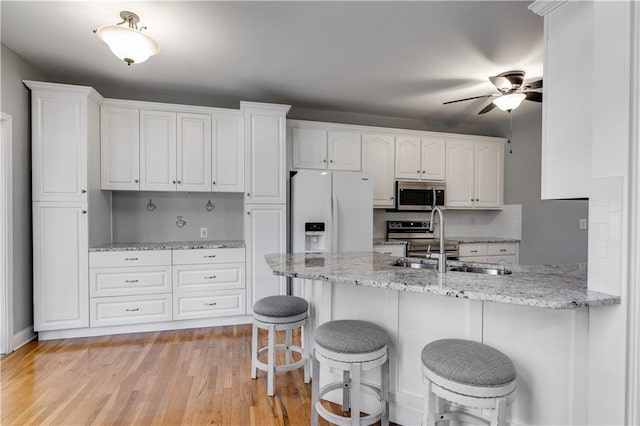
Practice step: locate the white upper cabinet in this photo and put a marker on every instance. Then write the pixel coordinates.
(420, 157)
(228, 153)
(265, 152)
(377, 161)
(158, 151)
(120, 148)
(194, 152)
(567, 113)
(59, 144)
(474, 173)
(326, 149)
(345, 151)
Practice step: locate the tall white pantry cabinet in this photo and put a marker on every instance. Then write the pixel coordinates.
(69, 210)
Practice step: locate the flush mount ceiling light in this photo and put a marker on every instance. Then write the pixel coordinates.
(128, 42)
(509, 102)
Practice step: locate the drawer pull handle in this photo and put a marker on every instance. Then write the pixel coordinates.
(503, 249)
(132, 310)
(210, 304)
(386, 252)
(212, 277)
(131, 281)
(474, 251)
(210, 256)
(130, 258)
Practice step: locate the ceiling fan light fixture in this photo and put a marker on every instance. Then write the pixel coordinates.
(128, 42)
(510, 101)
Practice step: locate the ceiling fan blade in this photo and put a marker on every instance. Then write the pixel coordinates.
(487, 108)
(533, 96)
(502, 83)
(534, 84)
(468, 99)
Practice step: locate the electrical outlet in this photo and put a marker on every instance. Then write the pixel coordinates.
(203, 232)
(583, 223)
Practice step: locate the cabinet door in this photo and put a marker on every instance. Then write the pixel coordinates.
(489, 182)
(265, 233)
(377, 161)
(408, 157)
(265, 155)
(433, 158)
(228, 154)
(309, 148)
(120, 149)
(59, 151)
(460, 173)
(345, 151)
(60, 265)
(157, 151)
(194, 152)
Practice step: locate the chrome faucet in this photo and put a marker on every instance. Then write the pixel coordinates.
(442, 259)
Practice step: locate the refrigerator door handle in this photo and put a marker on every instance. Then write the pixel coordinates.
(329, 228)
(334, 228)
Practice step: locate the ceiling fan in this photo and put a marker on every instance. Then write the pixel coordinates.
(512, 92)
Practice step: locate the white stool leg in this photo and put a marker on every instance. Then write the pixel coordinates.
(271, 360)
(306, 344)
(384, 391)
(346, 391)
(254, 351)
(430, 405)
(315, 389)
(499, 413)
(287, 342)
(356, 370)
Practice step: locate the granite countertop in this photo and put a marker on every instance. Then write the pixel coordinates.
(385, 242)
(482, 240)
(544, 286)
(173, 245)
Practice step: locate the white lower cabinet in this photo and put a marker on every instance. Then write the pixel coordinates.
(208, 304)
(501, 253)
(124, 310)
(396, 250)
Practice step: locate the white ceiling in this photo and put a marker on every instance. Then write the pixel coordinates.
(397, 59)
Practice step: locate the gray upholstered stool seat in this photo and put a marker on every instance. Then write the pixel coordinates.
(277, 313)
(351, 346)
(466, 373)
(350, 336)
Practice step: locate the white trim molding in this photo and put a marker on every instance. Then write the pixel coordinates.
(6, 235)
(23, 337)
(632, 416)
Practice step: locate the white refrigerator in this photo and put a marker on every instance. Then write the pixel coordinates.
(330, 211)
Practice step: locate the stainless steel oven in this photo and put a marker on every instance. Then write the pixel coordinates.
(420, 241)
(419, 196)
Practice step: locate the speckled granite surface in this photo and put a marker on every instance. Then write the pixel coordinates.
(481, 240)
(382, 241)
(545, 286)
(178, 245)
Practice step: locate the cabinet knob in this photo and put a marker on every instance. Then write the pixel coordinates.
(84, 212)
(391, 198)
(214, 182)
(417, 171)
(137, 181)
(84, 191)
(477, 199)
(179, 182)
(331, 161)
(471, 199)
(324, 161)
(423, 172)
(174, 181)
(248, 195)
(248, 213)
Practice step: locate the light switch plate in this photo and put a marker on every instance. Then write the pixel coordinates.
(203, 232)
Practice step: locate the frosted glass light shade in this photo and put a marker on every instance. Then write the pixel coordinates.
(509, 102)
(128, 44)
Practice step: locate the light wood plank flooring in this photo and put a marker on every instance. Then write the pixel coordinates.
(199, 376)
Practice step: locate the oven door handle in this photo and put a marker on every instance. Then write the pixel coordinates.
(433, 198)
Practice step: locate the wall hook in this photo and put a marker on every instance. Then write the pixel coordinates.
(180, 223)
(150, 206)
(210, 206)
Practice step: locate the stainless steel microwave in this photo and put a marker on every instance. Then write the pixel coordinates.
(419, 196)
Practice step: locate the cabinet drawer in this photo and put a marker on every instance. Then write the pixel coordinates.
(391, 250)
(115, 259)
(193, 257)
(472, 250)
(208, 277)
(121, 310)
(129, 281)
(208, 304)
(501, 249)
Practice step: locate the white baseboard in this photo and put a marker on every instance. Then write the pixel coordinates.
(23, 337)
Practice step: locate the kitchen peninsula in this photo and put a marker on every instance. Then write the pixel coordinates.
(537, 316)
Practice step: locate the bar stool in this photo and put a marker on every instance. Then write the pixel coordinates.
(353, 347)
(276, 313)
(469, 374)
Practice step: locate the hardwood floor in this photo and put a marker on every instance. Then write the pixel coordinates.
(198, 376)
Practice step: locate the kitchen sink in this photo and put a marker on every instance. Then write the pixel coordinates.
(415, 264)
(480, 270)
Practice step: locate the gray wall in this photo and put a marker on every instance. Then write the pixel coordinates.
(16, 103)
(550, 232)
(132, 222)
